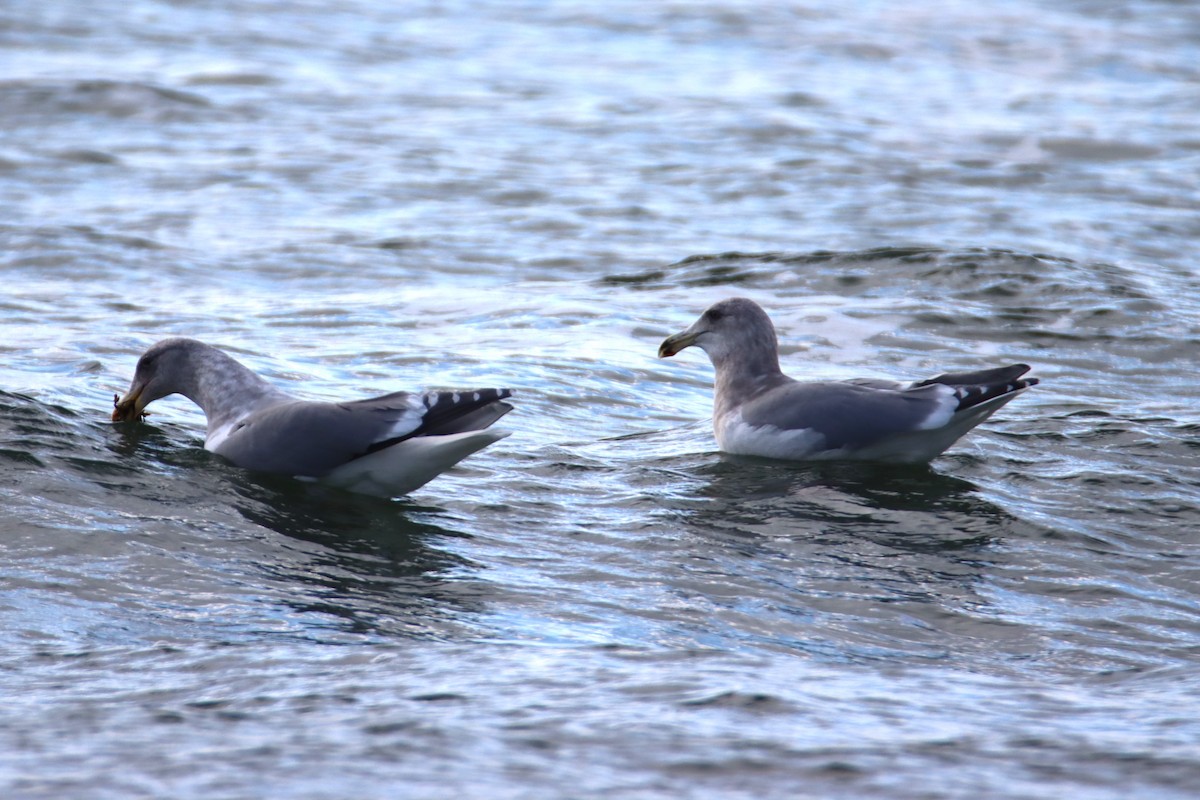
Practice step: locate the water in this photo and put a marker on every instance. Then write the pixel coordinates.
(361, 197)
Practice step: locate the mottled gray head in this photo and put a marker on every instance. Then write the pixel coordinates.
(734, 331)
(168, 367)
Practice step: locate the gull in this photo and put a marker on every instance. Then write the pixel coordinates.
(385, 446)
(759, 411)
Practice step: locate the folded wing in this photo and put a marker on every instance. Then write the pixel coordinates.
(874, 419)
(312, 439)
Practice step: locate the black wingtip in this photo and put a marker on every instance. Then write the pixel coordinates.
(970, 396)
(453, 412)
(985, 377)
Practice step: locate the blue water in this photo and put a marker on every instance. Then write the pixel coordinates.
(364, 197)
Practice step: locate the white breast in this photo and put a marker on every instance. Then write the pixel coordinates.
(737, 436)
(216, 437)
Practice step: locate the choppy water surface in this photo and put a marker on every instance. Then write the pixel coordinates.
(361, 197)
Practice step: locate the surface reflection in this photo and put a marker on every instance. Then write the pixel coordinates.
(379, 565)
(910, 507)
(370, 565)
(841, 560)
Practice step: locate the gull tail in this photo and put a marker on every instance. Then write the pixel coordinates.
(978, 388)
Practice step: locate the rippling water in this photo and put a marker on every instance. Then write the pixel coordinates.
(362, 197)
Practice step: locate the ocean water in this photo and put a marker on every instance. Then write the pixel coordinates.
(362, 197)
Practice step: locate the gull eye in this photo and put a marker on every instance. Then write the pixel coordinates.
(714, 314)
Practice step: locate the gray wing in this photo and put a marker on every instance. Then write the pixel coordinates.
(878, 383)
(311, 439)
(856, 413)
(847, 414)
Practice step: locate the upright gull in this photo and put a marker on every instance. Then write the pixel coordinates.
(757, 410)
(384, 446)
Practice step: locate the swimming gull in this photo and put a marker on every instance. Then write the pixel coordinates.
(384, 446)
(757, 410)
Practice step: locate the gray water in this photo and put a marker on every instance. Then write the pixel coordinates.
(360, 197)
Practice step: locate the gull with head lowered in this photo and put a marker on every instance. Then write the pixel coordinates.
(385, 446)
(759, 411)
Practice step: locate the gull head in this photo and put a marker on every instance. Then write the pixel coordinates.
(735, 328)
(160, 372)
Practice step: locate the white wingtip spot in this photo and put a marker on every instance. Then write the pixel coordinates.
(454, 398)
(477, 397)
